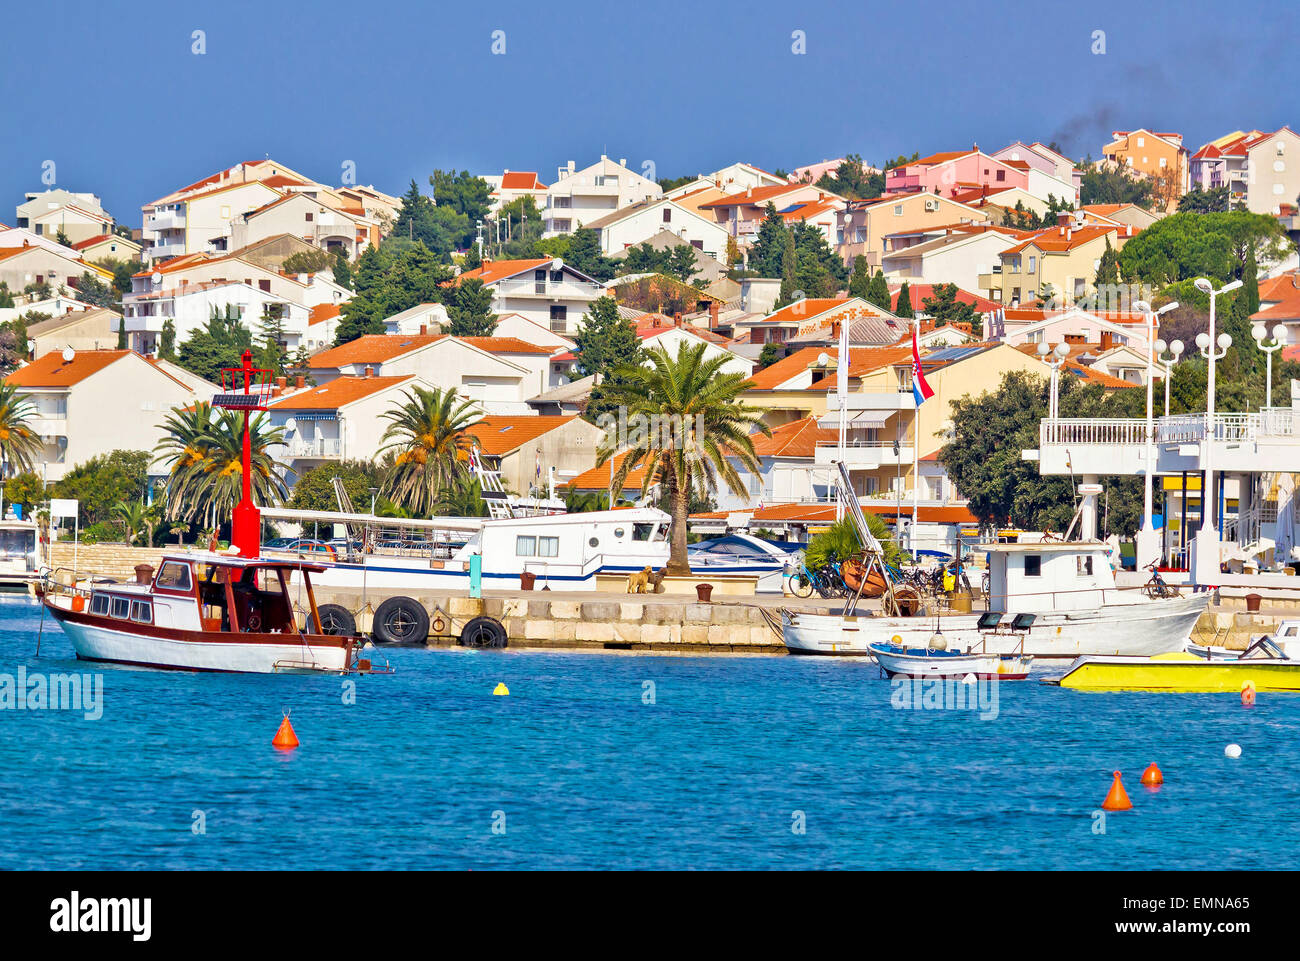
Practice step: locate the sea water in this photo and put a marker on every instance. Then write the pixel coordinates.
(622, 761)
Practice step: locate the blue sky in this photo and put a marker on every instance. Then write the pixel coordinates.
(114, 95)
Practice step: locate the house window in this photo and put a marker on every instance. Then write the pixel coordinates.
(898, 210)
(1002, 175)
(564, 203)
(1033, 565)
(559, 319)
(1033, 263)
(309, 216)
(668, 215)
(1142, 142)
(264, 285)
(225, 213)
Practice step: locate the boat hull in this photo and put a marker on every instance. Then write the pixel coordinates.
(1139, 629)
(920, 663)
(203, 651)
(1192, 675)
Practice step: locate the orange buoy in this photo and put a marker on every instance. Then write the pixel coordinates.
(1248, 694)
(1117, 797)
(285, 739)
(1153, 776)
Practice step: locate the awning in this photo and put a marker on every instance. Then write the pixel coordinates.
(856, 418)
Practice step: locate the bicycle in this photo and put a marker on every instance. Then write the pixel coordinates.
(1156, 588)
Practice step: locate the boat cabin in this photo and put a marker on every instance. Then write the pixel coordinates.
(211, 593)
(624, 539)
(1049, 576)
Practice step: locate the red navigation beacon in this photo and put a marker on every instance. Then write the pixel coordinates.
(247, 389)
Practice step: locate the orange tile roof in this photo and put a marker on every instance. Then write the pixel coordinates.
(337, 393)
(321, 313)
(756, 196)
(861, 360)
(806, 309)
(51, 370)
(797, 439)
(504, 345)
(371, 349)
(521, 180)
(1054, 239)
(501, 435)
(598, 478)
(494, 270)
(938, 158)
(83, 244)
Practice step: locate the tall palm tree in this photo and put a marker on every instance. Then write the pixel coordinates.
(691, 423)
(19, 443)
(428, 433)
(203, 450)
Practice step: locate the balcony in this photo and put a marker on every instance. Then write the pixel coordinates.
(166, 220)
(863, 455)
(322, 448)
(167, 249)
(550, 289)
(52, 425)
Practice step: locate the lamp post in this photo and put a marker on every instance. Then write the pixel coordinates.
(1055, 359)
(1206, 544)
(1148, 541)
(1176, 349)
(1278, 342)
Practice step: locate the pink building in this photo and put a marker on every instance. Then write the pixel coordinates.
(954, 172)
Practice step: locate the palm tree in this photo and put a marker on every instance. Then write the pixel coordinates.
(428, 432)
(203, 449)
(19, 443)
(132, 517)
(695, 424)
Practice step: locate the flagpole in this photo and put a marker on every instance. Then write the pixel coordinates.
(841, 392)
(916, 444)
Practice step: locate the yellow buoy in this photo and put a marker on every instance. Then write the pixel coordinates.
(501, 689)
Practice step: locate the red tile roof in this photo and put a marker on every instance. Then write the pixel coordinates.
(494, 270)
(599, 478)
(501, 435)
(521, 180)
(337, 393)
(321, 313)
(796, 439)
(51, 370)
(757, 196)
(377, 348)
(919, 293)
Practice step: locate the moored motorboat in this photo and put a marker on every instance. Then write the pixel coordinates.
(1263, 666)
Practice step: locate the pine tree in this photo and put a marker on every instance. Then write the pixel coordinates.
(860, 280)
(342, 269)
(470, 310)
(167, 340)
(904, 308)
(767, 254)
(789, 283)
(121, 333)
(878, 291)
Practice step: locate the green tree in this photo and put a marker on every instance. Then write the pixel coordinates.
(790, 290)
(202, 448)
(167, 340)
(390, 279)
(878, 291)
(1108, 268)
(1115, 186)
(1200, 201)
(768, 252)
(681, 263)
(841, 541)
(104, 481)
(342, 269)
(429, 434)
(93, 291)
(1185, 246)
(462, 201)
(470, 310)
(903, 307)
(307, 262)
(852, 180)
(983, 456)
(584, 255)
(271, 353)
(769, 355)
(26, 490)
(314, 489)
(606, 346)
(219, 344)
(945, 308)
(860, 278)
(703, 427)
(20, 444)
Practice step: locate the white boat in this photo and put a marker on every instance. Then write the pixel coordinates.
(19, 557)
(560, 551)
(1051, 599)
(1067, 587)
(897, 661)
(205, 612)
(743, 554)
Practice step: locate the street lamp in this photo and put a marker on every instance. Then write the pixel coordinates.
(1148, 541)
(1054, 359)
(1176, 349)
(1278, 342)
(1206, 544)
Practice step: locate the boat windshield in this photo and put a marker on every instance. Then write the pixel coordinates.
(255, 595)
(17, 543)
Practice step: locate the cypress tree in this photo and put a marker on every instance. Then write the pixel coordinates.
(904, 308)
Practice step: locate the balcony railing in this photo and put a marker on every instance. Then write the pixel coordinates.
(322, 447)
(562, 289)
(1176, 429)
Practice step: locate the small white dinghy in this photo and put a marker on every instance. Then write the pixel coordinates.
(935, 660)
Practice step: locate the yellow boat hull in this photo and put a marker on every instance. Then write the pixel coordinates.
(1179, 674)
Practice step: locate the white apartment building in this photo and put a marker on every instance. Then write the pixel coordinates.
(580, 196)
(78, 216)
(189, 307)
(629, 226)
(546, 291)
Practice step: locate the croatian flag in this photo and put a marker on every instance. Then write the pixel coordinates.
(920, 389)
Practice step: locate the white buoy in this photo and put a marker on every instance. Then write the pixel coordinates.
(969, 679)
(1233, 750)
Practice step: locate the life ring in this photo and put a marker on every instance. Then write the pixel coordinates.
(254, 621)
(437, 626)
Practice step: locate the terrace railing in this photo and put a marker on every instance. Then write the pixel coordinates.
(1175, 429)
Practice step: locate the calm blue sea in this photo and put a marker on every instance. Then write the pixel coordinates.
(427, 769)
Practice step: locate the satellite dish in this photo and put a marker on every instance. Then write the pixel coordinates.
(557, 264)
(823, 359)
(68, 354)
(156, 278)
(291, 424)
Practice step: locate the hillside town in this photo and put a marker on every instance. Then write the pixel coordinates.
(915, 319)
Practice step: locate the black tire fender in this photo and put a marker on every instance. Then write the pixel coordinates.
(336, 620)
(400, 620)
(484, 633)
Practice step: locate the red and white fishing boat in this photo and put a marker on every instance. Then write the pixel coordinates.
(211, 611)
